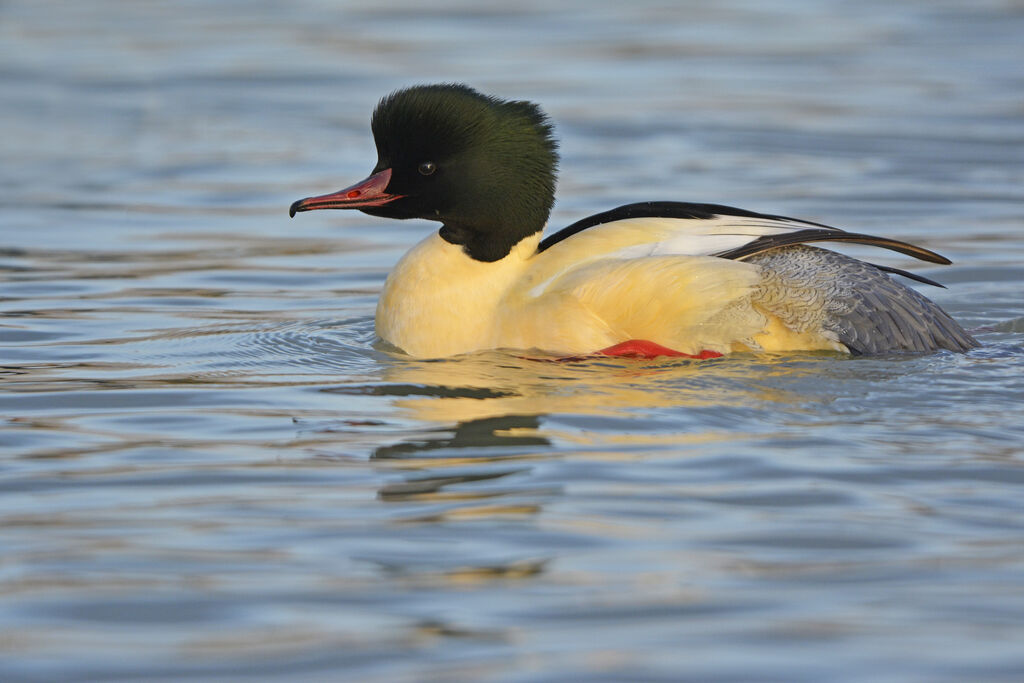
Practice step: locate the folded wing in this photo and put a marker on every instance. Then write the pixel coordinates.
(699, 276)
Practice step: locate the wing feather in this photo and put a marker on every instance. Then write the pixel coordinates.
(769, 242)
(867, 310)
(723, 231)
(659, 270)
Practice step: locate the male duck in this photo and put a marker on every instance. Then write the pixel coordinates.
(647, 279)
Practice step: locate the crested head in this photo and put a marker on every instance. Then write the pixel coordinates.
(483, 166)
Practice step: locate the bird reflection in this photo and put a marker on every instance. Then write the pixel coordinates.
(501, 385)
(482, 421)
(494, 405)
(484, 433)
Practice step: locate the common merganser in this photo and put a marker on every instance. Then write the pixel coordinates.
(645, 279)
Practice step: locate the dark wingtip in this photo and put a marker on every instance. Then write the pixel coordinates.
(935, 257)
(913, 276)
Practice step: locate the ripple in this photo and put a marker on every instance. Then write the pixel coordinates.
(212, 469)
(320, 345)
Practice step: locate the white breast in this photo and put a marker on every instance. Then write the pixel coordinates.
(440, 302)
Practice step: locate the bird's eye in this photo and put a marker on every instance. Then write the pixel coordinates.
(427, 168)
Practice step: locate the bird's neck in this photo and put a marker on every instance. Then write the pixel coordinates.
(440, 301)
(487, 244)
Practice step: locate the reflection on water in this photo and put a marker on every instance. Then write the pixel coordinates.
(490, 432)
(211, 470)
(495, 384)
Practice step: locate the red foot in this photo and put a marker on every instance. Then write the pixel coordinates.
(641, 348)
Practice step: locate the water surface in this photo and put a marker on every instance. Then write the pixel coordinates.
(210, 470)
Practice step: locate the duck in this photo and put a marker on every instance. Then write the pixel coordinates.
(647, 279)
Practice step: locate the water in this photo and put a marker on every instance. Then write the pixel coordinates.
(210, 471)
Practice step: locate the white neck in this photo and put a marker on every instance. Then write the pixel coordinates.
(440, 302)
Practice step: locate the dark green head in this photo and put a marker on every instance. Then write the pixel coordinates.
(482, 166)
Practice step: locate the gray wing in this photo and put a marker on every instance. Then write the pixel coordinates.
(867, 310)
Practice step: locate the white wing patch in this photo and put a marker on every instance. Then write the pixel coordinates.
(699, 237)
(638, 238)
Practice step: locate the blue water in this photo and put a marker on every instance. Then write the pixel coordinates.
(209, 471)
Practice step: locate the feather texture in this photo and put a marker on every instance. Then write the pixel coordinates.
(866, 310)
